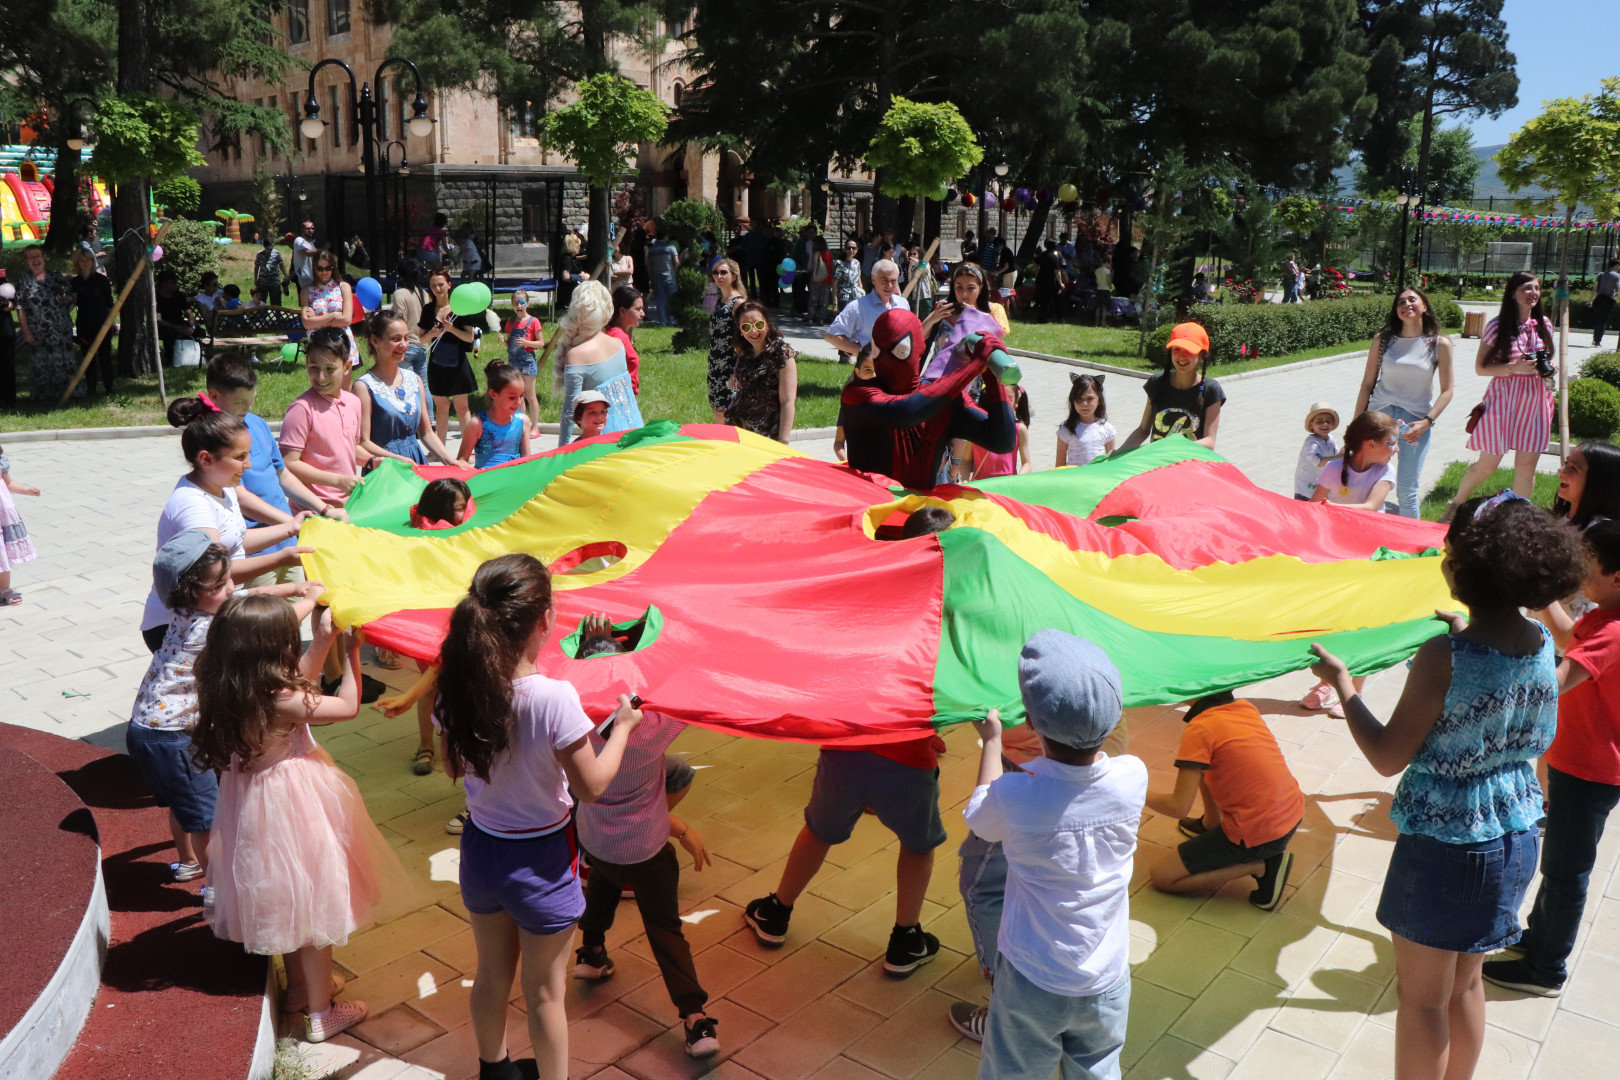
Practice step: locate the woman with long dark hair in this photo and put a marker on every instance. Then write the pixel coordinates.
(727, 278)
(521, 744)
(1519, 404)
(1399, 382)
(629, 308)
(448, 338)
(765, 377)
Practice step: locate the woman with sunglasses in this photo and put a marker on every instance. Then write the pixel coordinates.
(727, 279)
(449, 338)
(765, 380)
(329, 302)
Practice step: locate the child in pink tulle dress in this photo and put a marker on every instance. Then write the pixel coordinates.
(295, 862)
(15, 547)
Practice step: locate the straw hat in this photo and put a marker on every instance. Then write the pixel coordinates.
(1317, 410)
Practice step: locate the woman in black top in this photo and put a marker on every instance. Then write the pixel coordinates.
(448, 339)
(93, 295)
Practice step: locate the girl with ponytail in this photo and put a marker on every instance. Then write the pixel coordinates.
(520, 742)
(217, 445)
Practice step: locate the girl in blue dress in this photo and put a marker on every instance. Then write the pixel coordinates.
(500, 432)
(394, 416)
(588, 358)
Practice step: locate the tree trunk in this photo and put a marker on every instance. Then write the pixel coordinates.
(596, 243)
(131, 218)
(1032, 234)
(64, 234)
(933, 221)
(818, 208)
(1561, 294)
(1423, 148)
(905, 217)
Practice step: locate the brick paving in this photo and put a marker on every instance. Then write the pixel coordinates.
(1220, 989)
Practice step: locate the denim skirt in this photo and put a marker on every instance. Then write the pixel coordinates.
(1458, 897)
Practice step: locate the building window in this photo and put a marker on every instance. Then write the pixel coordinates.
(297, 21)
(337, 16)
(336, 127)
(676, 93)
(675, 28)
(384, 121)
(526, 120)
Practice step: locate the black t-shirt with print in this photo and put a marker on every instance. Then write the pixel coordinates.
(1180, 410)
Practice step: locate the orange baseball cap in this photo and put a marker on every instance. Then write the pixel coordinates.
(1189, 336)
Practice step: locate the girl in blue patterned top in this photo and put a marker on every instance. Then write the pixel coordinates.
(394, 418)
(500, 433)
(1479, 705)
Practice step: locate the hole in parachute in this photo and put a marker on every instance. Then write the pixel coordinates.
(632, 635)
(589, 558)
(1116, 519)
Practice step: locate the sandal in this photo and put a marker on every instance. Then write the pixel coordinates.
(10, 597)
(422, 763)
(388, 659)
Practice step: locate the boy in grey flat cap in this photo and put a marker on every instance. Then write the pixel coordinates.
(1068, 827)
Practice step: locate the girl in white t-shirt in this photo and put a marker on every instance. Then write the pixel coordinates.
(1086, 434)
(520, 742)
(218, 446)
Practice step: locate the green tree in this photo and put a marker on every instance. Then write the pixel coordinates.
(1571, 151)
(922, 147)
(686, 219)
(528, 52)
(601, 130)
(140, 136)
(267, 196)
(1431, 59)
(1453, 165)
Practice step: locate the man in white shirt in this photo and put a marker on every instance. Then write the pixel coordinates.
(851, 331)
(1067, 824)
(303, 256)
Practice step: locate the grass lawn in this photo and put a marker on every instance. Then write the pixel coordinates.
(1435, 502)
(1117, 346)
(673, 386)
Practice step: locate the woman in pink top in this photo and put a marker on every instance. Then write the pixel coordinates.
(320, 435)
(628, 311)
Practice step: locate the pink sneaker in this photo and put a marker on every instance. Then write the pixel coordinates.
(339, 1017)
(1319, 697)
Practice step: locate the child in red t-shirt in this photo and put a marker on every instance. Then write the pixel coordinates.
(1583, 778)
(1252, 804)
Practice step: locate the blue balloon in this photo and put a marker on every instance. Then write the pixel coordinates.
(786, 280)
(787, 266)
(369, 293)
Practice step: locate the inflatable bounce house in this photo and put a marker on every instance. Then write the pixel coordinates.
(26, 188)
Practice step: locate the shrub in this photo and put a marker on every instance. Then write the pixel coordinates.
(1603, 366)
(685, 220)
(1594, 409)
(1244, 331)
(189, 250)
(694, 332)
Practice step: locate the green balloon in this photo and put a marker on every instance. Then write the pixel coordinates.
(289, 352)
(469, 299)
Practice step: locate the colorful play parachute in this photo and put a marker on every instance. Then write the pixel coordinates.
(764, 595)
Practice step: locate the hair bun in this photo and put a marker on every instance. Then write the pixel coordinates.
(183, 411)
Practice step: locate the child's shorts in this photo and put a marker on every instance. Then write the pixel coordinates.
(523, 360)
(1214, 850)
(163, 758)
(535, 881)
(1458, 897)
(678, 775)
(905, 800)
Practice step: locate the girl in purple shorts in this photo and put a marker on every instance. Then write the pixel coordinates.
(520, 743)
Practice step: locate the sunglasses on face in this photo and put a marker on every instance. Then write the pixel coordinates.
(751, 326)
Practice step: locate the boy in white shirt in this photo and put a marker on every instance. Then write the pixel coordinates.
(1067, 825)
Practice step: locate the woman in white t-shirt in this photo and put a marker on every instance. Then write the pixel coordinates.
(1086, 434)
(520, 743)
(218, 445)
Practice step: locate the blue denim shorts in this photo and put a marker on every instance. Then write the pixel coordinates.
(1458, 897)
(523, 360)
(535, 881)
(905, 800)
(163, 758)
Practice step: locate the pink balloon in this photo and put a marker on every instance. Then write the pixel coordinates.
(157, 253)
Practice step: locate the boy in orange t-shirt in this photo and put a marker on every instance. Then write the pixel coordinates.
(1252, 804)
(1583, 778)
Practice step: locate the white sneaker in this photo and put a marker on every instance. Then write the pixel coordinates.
(339, 1017)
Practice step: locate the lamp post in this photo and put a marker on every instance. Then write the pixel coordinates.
(367, 118)
(1401, 202)
(80, 139)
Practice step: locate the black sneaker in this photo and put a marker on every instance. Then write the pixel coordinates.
(1191, 826)
(910, 947)
(370, 689)
(1269, 892)
(592, 963)
(701, 1040)
(769, 919)
(1516, 975)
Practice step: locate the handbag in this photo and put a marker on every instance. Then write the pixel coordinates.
(1475, 415)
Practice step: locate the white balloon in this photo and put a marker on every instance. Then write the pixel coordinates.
(7, 291)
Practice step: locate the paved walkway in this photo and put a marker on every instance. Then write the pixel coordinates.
(1220, 989)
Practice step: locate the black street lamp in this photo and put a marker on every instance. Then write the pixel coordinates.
(1402, 202)
(368, 118)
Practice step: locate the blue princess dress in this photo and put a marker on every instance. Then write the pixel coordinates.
(610, 378)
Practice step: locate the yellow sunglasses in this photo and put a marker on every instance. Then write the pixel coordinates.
(749, 327)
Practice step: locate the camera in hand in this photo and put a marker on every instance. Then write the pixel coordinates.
(1544, 366)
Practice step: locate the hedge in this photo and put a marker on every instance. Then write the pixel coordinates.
(1280, 329)
(1604, 366)
(1594, 409)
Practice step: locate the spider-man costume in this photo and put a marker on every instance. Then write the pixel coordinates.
(896, 429)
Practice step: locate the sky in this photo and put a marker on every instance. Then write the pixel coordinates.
(1563, 49)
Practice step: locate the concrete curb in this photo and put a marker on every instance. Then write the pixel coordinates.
(153, 431)
(1135, 374)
